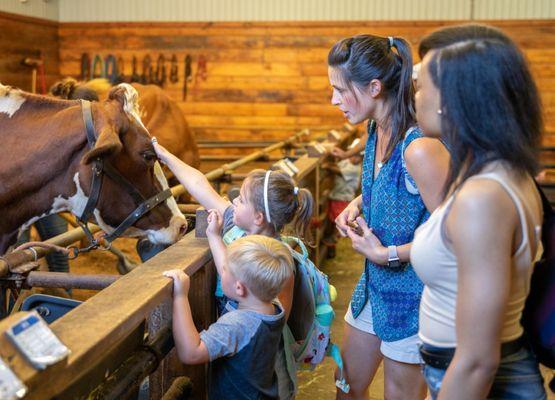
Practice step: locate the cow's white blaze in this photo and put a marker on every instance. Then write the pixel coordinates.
(172, 204)
(131, 106)
(10, 100)
(170, 233)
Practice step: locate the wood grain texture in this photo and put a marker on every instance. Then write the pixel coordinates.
(265, 81)
(106, 319)
(23, 37)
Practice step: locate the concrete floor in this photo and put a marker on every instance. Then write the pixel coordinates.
(343, 272)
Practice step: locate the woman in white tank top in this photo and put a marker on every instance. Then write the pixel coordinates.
(476, 252)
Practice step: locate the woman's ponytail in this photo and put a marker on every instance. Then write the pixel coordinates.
(303, 216)
(404, 101)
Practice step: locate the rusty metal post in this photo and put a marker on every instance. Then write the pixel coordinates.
(66, 280)
(227, 168)
(16, 258)
(124, 381)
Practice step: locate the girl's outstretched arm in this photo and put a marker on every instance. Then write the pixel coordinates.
(194, 181)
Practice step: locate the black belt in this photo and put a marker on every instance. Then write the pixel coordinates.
(441, 357)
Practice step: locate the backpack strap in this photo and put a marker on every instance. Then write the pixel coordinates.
(233, 234)
(335, 354)
(299, 242)
(323, 312)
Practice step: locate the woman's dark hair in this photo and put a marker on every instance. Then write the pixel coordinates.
(459, 33)
(362, 58)
(490, 105)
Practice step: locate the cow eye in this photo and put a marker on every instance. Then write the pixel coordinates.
(149, 155)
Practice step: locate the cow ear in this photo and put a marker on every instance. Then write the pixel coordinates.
(107, 144)
(64, 88)
(127, 96)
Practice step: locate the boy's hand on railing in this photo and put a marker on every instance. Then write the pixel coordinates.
(215, 222)
(181, 282)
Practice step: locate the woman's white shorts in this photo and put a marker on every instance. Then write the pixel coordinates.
(404, 350)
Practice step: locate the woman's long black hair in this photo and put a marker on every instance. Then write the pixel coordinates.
(362, 58)
(490, 105)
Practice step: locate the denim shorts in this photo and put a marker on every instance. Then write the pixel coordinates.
(518, 377)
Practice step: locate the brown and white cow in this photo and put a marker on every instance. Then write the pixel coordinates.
(46, 164)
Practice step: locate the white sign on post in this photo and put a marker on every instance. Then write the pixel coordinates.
(36, 341)
(11, 388)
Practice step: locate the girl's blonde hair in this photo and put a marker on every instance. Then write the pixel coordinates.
(284, 205)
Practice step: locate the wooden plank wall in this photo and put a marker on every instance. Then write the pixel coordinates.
(266, 80)
(22, 37)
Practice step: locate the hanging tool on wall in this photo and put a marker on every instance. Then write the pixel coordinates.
(201, 69)
(188, 76)
(121, 71)
(135, 77)
(146, 78)
(85, 67)
(37, 66)
(174, 70)
(110, 68)
(97, 67)
(160, 76)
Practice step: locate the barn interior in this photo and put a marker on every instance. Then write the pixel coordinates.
(249, 80)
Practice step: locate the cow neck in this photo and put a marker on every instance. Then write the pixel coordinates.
(101, 167)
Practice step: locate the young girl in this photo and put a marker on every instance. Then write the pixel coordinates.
(267, 202)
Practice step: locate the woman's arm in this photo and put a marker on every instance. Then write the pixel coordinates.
(372, 248)
(427, 162)
(481, 225)
(194, 181)
(356, 149)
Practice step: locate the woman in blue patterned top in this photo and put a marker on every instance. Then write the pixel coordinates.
(402, 178)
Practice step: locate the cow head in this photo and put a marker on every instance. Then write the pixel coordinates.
(124, 142)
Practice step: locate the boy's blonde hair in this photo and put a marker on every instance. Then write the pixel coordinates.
(263, 264)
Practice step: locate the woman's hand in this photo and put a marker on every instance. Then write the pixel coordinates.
(348, 216)
(368, 244)
(215, 222)
(339, 153)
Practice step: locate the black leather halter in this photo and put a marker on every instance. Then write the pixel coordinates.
(100, 168)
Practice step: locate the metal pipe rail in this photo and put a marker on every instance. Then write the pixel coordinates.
(226, 168)
(233, 144)
(16, 258)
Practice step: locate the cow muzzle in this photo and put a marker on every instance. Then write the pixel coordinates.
(170, 234)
